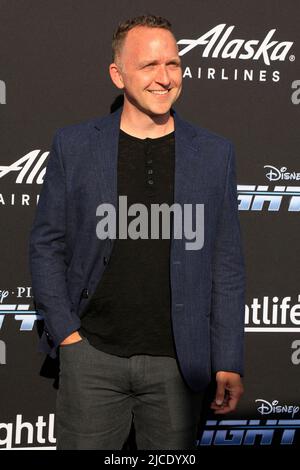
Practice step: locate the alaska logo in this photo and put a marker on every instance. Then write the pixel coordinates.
(217, 44)
(29, 168)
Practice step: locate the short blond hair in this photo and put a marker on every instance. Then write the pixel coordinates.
(150, 21)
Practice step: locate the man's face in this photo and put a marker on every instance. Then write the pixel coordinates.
(150, 70)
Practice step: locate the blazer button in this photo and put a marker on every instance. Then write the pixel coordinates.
(47, 333)
(105, 260)
(85, 293)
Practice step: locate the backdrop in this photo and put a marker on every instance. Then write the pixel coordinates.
(241, 80)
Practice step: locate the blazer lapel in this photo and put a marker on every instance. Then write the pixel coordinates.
(105, 140)
(186, 160)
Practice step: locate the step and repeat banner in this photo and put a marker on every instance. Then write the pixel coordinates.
(241, 79)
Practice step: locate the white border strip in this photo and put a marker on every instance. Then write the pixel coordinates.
(30, 448)
(271, 329)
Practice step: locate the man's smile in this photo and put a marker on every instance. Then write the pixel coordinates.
(159, 92)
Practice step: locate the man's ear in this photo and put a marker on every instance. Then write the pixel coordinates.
(116, 76)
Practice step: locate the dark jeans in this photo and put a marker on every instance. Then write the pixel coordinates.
(100, 394)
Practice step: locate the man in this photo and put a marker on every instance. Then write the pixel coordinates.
(141, 324)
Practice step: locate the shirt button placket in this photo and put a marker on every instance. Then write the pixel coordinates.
(149, 162)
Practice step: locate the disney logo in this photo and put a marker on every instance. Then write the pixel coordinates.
(276, 174)
(267, 408)
(3, 295)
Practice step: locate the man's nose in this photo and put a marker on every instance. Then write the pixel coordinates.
(162, 76)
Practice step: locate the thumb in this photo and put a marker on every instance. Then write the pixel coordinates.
(220, 393)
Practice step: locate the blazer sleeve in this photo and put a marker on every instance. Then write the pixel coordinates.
(228, 282)
(47, 247)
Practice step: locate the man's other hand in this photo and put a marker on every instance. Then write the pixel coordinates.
(73, 338)
(229, 391)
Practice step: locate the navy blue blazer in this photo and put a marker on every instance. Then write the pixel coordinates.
(67, 259)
